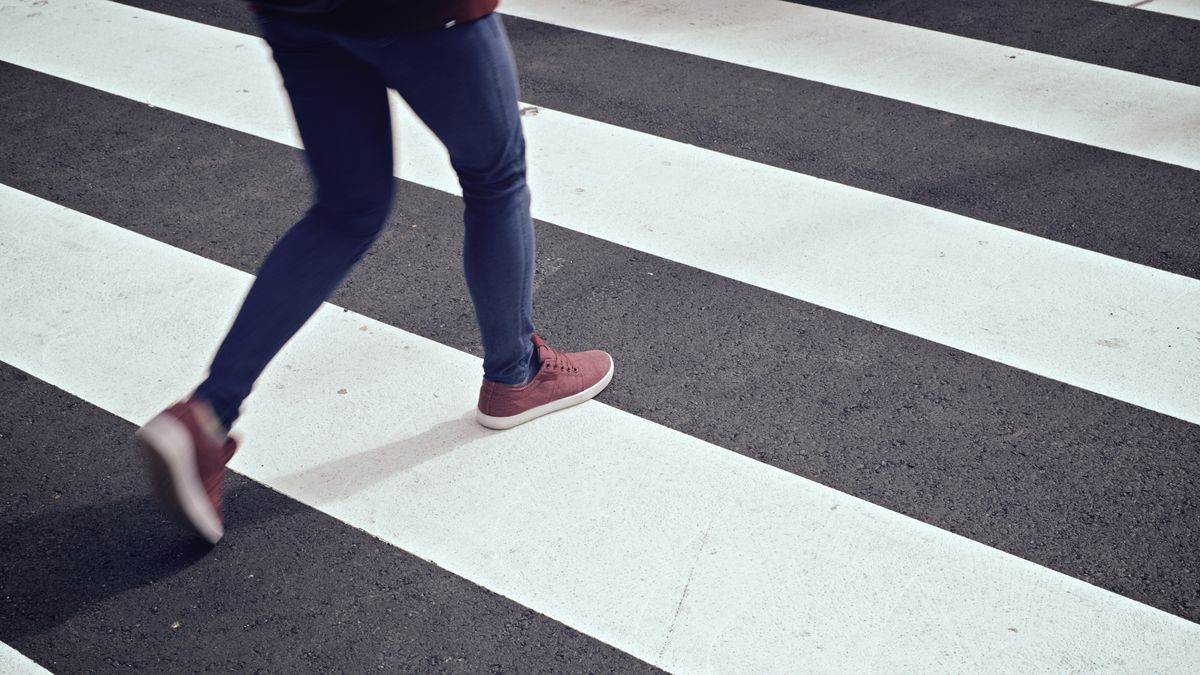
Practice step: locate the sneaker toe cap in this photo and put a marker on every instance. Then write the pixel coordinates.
(594, 365)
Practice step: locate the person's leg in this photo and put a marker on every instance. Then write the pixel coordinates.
(462, 83)
(341, 109)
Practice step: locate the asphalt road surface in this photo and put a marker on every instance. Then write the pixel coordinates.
(903, 299)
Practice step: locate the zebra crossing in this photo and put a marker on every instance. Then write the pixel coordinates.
(1025, 90)
(832, 249)
(681, 527)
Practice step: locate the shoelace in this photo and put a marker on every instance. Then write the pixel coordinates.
(556, 360)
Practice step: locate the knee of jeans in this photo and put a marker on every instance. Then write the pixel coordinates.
(498, 185)
(497, 193)
(362, 220)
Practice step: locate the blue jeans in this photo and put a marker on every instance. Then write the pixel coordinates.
(462, 83)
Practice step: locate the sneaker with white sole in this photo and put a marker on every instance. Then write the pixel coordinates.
(563, 380)
(187, 450)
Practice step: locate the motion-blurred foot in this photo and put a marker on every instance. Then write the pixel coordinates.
(187, 450)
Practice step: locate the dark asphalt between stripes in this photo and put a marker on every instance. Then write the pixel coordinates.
(1094, 488)
(1125, 38)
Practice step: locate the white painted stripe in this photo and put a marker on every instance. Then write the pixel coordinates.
(1099, 106)
(1096, 322)
(1188, 9)
(13, 662)
(686, 555)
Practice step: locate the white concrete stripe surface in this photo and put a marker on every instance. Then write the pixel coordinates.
(1050, 95)
(686, 555)
(1093, 321)
(1096, 322)
(1188, 9)
(13, 662)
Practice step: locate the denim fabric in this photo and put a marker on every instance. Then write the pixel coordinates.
(461, 81)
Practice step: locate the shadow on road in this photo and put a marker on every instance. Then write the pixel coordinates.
(55, 564)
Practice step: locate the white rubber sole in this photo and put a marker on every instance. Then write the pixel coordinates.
(500, 423)
(167, 446)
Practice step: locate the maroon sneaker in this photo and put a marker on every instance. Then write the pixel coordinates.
(187, 451)
(562, 381)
